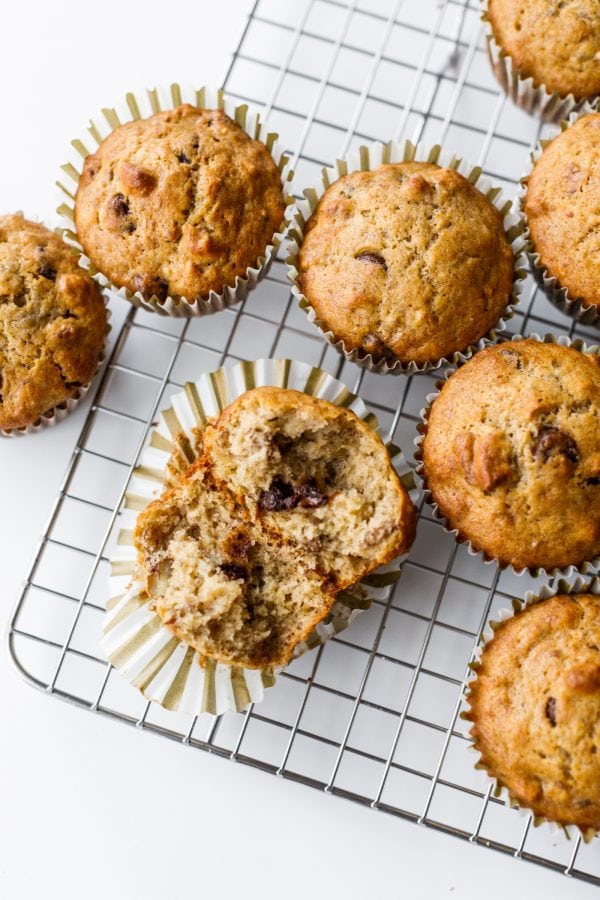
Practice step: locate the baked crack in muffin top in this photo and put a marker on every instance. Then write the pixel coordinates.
(406, 262)
(178, 204)
(52, 322)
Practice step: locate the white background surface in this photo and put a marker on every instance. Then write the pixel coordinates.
(88, 808)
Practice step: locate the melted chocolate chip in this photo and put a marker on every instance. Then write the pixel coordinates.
(553, 442)
(236, 573)
(183, 158)
(119, 205)
(367, 256)
(309, 496)
(551, 711)
(280, 495)
(47, 271)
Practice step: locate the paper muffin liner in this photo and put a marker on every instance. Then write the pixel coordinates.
(57, 413)
(366, 159)
(590, 566)
(529, 96)
(135, 641)
(141, 105)
(554, 291)
(500, 790)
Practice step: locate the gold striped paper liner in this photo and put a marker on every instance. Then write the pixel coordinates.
(141, 105)
(556, 294)
(534, 98)
(146, 653)
(59, 412)
(500, 790)
(366, 158)
(590, 566)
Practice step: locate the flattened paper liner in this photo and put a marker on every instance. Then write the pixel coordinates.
(164, 668)
(141, 105)
(366, 159)
(534, 99)
(59, 412)
(579, 586)
(558, 295)
(590, 566)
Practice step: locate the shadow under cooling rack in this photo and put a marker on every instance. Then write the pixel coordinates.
(373, 715)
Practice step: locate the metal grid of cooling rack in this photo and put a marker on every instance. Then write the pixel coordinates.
(373, 715)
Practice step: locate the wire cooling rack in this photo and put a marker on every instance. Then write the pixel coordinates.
(373, 715)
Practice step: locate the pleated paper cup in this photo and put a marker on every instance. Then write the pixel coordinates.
(57, 413)
(500, 790)
(141, 105)
(534, 98)
(366, 159)
(556, 293)
(590, 566)
(136, 642)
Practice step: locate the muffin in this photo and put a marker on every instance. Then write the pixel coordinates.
(535, 708)
(555, 44)
(179, 204)
(53, 323)
(407, 263)
(511, 454)
(292, 500)
(561, 208)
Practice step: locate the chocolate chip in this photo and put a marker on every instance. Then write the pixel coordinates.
(368, 256)
(183, 158)
(373, 344)
(236, 573)
(551, 711)
(69, 315)
(553, 442)
(280, 496)
(47, 271)
(309, 496)
(594, 480)
(119, 205)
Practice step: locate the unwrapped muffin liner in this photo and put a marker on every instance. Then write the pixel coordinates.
(500, 790)
(365, 159)
(136, 642)
(558, 295)
(57, 413)
(590, 566)
(534, 99)
(141, 105)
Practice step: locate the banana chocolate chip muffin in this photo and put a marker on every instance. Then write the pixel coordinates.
(535, 708)
(562, 208)
(52, 323)
(179, 204)
(511, 454)
(557, 44)
(408, 262)
(292, 500)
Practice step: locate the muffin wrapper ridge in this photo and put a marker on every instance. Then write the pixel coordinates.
(499, 789)
(146, 653)
(59, 412)
(366, 159)
(588, 567)
(141, 105)
(534, 99)
(559, 296)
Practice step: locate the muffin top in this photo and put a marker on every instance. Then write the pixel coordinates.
(511, 454)
(562, 206)
(52, 322)
(535, 708)
(179, 204)
(556, 44)
(406, 262)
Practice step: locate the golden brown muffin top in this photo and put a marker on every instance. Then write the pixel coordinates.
(512, 454)
(178, 204)
(555, 43)
(407, 262)
(535, 708)
(562, 206)
(52, 322)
